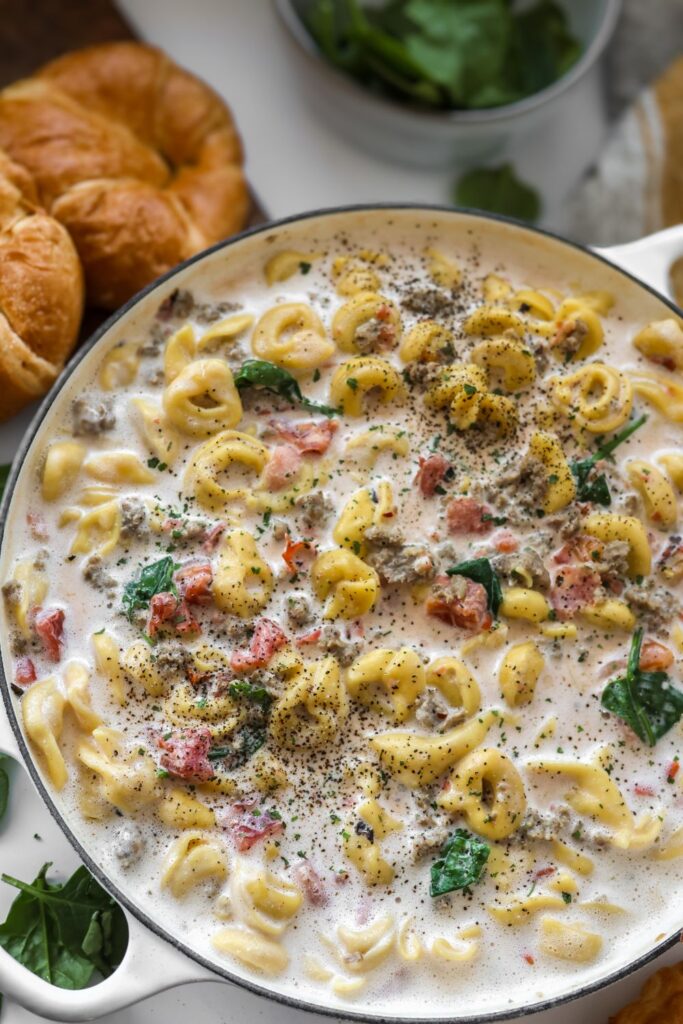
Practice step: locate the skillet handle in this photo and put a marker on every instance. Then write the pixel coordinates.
(149, 966)
(650, 258)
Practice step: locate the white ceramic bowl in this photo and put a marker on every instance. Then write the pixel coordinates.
(159, 956)
(434, 139)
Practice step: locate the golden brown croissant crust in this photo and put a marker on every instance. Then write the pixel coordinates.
(660, 1001)
(136, 157)
(41, 292)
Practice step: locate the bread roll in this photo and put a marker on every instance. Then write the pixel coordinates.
(136, 157)
(41, 292)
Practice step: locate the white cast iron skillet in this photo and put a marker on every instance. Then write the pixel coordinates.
(157, 958)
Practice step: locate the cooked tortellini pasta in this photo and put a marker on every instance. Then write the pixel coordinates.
(389, 680)
(243, 580)
(350, 586)
(597, 398)
(62, 466)
(488, 790)
(43, 715)
(193, 860)
(202, 399)
(292, 335)
(353, 380)
(367, 319)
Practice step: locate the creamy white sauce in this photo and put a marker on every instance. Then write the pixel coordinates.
(322, 795)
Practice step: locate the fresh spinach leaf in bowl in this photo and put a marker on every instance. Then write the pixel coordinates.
(446, 54)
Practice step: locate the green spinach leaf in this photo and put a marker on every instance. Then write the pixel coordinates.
(597, 490)
(480, 570)
(256, 694)
(498, 190)
(461, 864)
(156, 578)
(64, 932)
(646, 701)
(258, 373)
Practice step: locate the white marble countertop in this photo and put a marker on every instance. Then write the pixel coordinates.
(294, 163)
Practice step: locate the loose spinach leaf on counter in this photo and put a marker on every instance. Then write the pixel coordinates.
(256, 694)
(156, 578)
(4, 788)
(259, 373)
(446, 54)
(480, 570)
(4, 474)
(498, 190)
(646, 701)
(462, 862)
(597, 490)
(64, 932)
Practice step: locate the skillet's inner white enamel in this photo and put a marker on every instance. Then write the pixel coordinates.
(271, 753)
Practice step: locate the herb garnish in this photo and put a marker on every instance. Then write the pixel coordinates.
(481, 571)
(64, 932)
(156, 578)
(462, 862)
(256, 694)
(644, 700)
(259, 373)
(251, 739)
(597, 490)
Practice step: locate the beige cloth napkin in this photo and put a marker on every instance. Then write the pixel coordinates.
(637, 186)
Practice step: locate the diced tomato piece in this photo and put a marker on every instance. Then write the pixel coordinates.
(50, 628)
(574, 589)
(186, 755)
(171, 524)
(292, 550)
(309, 638)
(167, 609)
(185, 621)
(267, 638)
(247, 828)
(24, 671)
(282, 467)
(655, 657)
(470, 611)
(194, 582)
(579, 549)
(529, 959)
(212, 538)
(564, 329)
(673, 770)
(466, 515)
(505, 542)
(431, 472)
(544, 872)
(640, 790)
(311, 883)
(313, 437)
(37, 526)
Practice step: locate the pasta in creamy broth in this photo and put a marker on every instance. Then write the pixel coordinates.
(347, 635)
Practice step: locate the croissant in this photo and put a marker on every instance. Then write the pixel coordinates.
(41, 292)
(660, 1000)
(136, 157)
